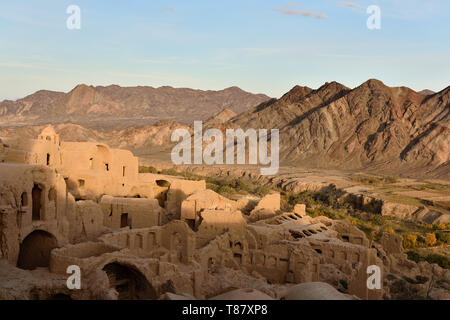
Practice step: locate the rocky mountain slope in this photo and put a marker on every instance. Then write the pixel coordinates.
(114, 106)
(371, 126)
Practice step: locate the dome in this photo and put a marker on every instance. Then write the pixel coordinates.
(316, 291)
(48, 131)
(243, 294)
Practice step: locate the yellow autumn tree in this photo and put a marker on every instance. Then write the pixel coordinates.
(430, 239)
(389, 230)
(410, 240)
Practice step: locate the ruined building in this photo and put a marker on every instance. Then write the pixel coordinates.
(149, 236)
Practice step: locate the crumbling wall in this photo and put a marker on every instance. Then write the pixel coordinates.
(25, 210)
(215, 222)
(179, 239)
(131, 212)
(392, 243)
(179, 191)
(352, 260)
(350, 233)
(91, 217)
(267, 207)
(9, 233)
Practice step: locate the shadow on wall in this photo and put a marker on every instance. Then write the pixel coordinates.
(161, 191)
(37, 201)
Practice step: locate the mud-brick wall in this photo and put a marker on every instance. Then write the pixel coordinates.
(9, 233)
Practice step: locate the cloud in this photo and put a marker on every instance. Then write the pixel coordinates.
(349, 4)
(289, 11)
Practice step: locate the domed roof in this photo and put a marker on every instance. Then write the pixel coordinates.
(48, 131)
(316, 291)
(243, 294)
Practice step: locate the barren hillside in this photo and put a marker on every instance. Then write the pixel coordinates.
(372, 126)
(118, 107)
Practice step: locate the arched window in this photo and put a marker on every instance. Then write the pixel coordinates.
(37, 202)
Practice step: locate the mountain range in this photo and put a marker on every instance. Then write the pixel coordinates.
(373, 127)
(114, 106)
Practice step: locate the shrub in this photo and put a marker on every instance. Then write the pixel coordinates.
(262, 190)
(303, 197)
(212, 186)
(414, 256)
(225, 190)
(240, 185)
(440, 260)
(443, 237)
(377, 219)
(366, 179)
(171, 172)
(389, 230)
(145, 169)
(420, 240)
(390, 179)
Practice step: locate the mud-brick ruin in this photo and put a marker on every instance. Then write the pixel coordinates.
(149, 236)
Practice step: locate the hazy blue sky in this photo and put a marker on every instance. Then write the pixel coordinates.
(259, 45)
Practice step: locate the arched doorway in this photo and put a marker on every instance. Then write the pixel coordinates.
(36, 195)
(35, 250)
(129, 283)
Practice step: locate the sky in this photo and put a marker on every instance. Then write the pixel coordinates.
(261, 46)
